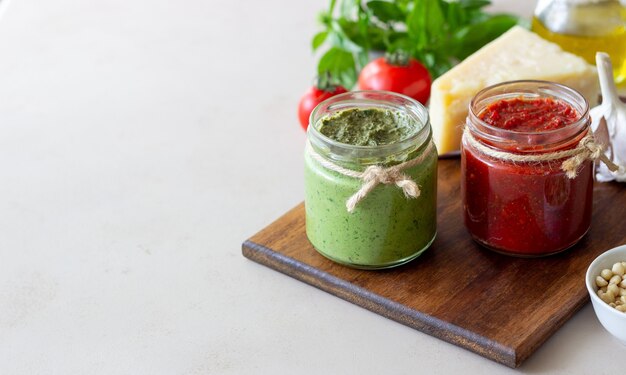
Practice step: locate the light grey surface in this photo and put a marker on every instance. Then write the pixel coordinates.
(140, 143)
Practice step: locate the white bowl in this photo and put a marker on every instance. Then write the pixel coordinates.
(612, 320)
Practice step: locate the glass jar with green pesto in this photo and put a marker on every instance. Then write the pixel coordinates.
(370, 179)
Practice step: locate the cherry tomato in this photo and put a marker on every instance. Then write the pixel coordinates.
(411, 79)
(312, 98)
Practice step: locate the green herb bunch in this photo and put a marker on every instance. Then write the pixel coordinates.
(439, 33)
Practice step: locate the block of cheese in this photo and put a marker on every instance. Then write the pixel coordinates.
(516, 54)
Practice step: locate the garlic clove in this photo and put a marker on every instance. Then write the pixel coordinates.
(609, 122)
(599, 126)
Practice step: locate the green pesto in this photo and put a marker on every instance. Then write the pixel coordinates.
(367, 126)
(386, 229)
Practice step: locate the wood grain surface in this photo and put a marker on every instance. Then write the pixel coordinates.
(500, 307)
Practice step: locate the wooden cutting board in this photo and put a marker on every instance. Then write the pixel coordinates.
(500, 307)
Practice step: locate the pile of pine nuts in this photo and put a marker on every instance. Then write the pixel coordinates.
(612, 286)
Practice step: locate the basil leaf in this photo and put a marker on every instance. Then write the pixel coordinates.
(474, 4)
(349, 8)
(426, 23)
(385, 11)
(476, 16)
(340, 65)
(363, 23)
(338, 38)
(356, 39)
(319, 39)
(438, 33)
(453, 14)
(377, 38)
(399, 41)
(473, 37)
(362, 59)
(434, 21)
(416, 24)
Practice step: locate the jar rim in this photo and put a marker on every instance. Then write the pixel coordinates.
(529, 89)
(370, 99)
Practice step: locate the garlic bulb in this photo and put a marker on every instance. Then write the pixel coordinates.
(609, 123)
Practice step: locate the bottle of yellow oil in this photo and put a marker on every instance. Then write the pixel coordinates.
(584, 27)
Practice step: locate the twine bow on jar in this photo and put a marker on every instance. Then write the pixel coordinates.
(587, 149)
(375, 175)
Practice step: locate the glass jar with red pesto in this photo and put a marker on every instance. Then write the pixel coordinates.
(525, 208)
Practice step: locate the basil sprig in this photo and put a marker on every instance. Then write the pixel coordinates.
(439, 33)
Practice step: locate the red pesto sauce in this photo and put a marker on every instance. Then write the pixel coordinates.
(529, 115)
(522, 208)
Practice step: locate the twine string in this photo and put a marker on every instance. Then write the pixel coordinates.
(587, 149)
(375, 175)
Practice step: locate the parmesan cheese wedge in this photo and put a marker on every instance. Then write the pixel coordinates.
(516, 54)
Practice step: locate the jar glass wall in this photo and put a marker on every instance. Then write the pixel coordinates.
(386, 228)
(525, 208)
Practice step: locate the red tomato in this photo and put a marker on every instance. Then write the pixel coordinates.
(311, 99)
(412, 80)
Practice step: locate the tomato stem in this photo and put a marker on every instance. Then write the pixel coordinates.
(325, 82)
(398, 57)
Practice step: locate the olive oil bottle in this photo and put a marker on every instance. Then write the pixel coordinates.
(584, 27)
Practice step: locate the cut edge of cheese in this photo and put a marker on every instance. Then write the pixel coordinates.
(515, 55)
